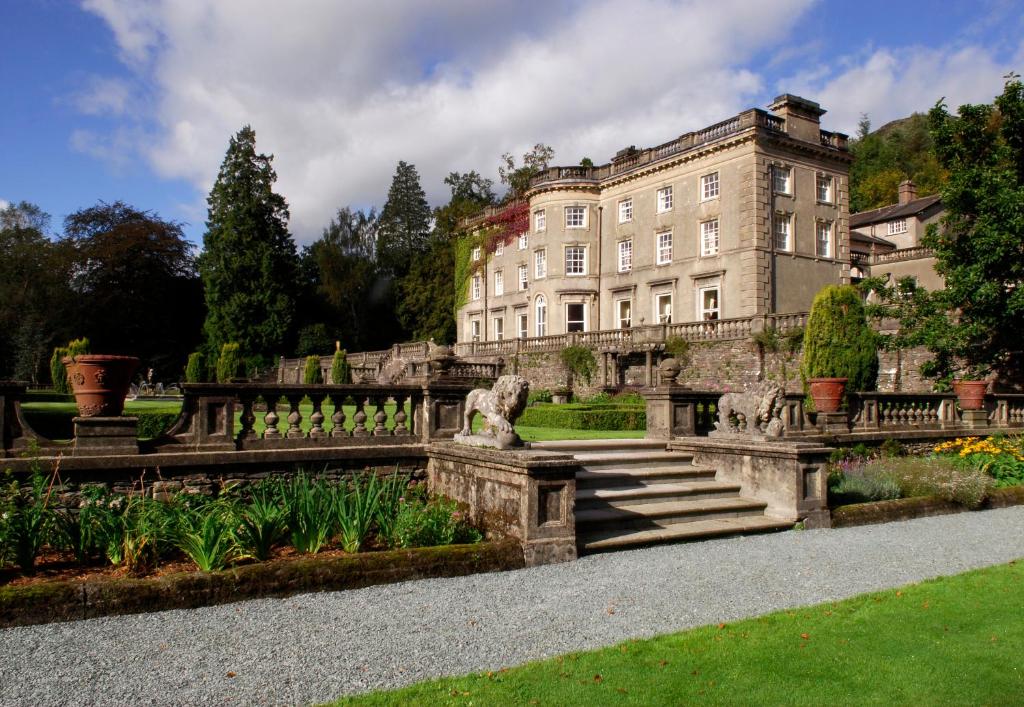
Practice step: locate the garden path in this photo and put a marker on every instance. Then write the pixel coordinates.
(315, 647)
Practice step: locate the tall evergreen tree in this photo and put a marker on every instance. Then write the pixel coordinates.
(404, 228)
(249, 263)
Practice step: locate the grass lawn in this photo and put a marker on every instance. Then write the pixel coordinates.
(953, 640)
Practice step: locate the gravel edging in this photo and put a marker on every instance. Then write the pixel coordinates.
(71, 600)
(312, 648)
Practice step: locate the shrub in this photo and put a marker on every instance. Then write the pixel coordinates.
(936, 475)
(580, 362)
(838, 342)
(310, 506)
(423, 523)
(678, 348)
(195, 369)
(26, 519)
(583, 417)
(59, 374)
(312, 340)
(1002, 458)
(311, 375)
(853, 482)
(340, 370)
(356, 507)
(229, 364)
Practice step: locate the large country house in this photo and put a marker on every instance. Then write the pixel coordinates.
(749, 216)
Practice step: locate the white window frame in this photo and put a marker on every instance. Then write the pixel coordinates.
(782, 225)
(571, 212)
(710, 237)
(626, 255)
(540, 308)
(540, 264)
(524, 240)
(474, 329)
(782, 180)
(476, 253)
(523, 324)
(627, 321)
(703, 313)
(823, 227)
(710, 186)
(579, 265)
(582, 322)
(523, 272)
(665, 199)
(540, 221)
(829, 183)
(626, 210)
(498, 327)
(897, 226)
(476, 287)
(499, 249)
(499, 283)
(659, 318)
(663, 254)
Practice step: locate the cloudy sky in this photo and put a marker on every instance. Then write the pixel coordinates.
(136, 99)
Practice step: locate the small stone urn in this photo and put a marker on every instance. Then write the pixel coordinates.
(441, 360)
(100, 382)
(668, 371)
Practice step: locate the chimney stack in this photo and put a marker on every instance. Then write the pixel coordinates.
(908, 192)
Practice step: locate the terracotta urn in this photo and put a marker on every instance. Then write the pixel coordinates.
(970, 394)
(100, 382)
(827, 393)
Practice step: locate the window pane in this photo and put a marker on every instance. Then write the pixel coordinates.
(709, 237)
(664, 248)
(625, 256)
(709, 186)
(574, 317)
(575, 261)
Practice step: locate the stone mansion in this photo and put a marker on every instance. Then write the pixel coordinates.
(749, 216)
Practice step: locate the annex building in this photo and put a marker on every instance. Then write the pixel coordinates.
(746, 217)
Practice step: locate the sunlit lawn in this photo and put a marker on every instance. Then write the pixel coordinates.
(950, 641)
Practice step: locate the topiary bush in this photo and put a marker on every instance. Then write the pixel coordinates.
(195, 369)
(311, 376)
(838, 343)
(59, 374)
(229, 364)
(341, 372)
(584, 417)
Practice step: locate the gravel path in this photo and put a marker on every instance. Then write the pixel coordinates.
(316, 647)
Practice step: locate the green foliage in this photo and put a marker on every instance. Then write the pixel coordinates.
(426, 297)
(356, 508)
(310, 505)
(578, 416)
(518, 178)
(464, 267)
(888, 477)
(204, 533)
(437, 521)
(838, 342)
(311, 375)
(195, 369)
(580, 362)
(26, 518)
(261, 523)
(975, 322)
(678, 348)
(404, 222)
(58, 373)
(229, 365)
(542, 395)
(341, 372)
(902, 149)
(249, 263)
(314, 340)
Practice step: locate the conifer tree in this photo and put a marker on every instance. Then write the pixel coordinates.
(249, 262)
(404, 223)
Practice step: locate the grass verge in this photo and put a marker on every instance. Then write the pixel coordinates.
(952, 640)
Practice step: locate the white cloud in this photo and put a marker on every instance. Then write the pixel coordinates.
(893, 83)
(4, 204)
(340, 91)
(103, 96)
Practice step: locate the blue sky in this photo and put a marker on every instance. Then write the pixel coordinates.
(136, 99)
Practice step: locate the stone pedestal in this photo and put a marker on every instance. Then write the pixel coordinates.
(103, 436)
(671, 411)
(974, 419)
(526, 495)
(832, 422)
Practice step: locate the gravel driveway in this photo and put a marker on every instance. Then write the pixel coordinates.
(315, 647)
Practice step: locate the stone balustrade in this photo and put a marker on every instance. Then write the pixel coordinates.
(897, 256)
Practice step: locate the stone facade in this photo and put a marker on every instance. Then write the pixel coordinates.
(717, 224)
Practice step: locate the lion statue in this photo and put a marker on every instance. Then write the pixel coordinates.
(757, 412)
(500, 407)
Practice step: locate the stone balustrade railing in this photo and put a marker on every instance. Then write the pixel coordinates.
(898, 256)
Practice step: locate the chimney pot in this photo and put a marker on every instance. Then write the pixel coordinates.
(908, 192)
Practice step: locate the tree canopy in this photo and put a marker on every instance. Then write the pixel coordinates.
(404, 227)
(249, 263)
(902, 149)
(518, 178)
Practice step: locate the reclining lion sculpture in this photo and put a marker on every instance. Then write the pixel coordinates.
(758, 411)
(500, 407)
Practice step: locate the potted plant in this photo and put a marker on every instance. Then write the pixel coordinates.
(100, 382)
(839, 348)
(970, 390)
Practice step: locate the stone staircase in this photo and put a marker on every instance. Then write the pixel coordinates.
(631, 493)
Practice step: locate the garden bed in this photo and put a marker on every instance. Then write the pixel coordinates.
(68, 600)
(922, 507)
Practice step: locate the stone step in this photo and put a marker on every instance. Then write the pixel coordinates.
(618, 496)
(614, 477)
(632, 459)
(606, 539)
(579, 446)
(649, 515)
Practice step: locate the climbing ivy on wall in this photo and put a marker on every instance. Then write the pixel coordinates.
(465, 266)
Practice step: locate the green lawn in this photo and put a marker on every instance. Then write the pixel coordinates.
(954, 640)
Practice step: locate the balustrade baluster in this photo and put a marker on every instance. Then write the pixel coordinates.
(247, 419)
(338, 418)
(360, 419)
(271, 419)
(317, 418)
(400, 416)
(294, 418)
(379, 417)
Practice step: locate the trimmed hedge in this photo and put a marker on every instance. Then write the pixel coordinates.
(579, 416)
(57, 424)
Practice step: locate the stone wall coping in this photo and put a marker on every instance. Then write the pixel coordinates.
(903, 434)
(785, 449)
(520, 461)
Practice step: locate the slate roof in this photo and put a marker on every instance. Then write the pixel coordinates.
(865, 238)
(887, 213)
